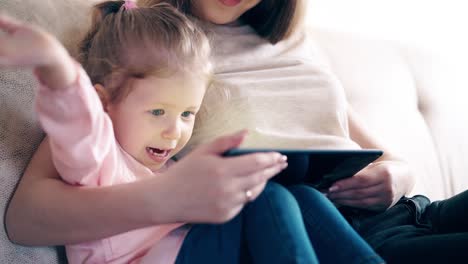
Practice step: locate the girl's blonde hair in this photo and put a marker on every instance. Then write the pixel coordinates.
(152, 38)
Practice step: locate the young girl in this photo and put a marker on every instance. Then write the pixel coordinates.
(150, 67)
(149, 81)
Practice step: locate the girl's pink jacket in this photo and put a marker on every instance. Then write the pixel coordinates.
(86, 153)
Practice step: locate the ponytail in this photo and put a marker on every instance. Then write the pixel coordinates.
(98, 13)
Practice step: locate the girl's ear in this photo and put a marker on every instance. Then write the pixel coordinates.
(103, 95)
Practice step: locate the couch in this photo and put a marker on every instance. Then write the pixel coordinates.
(413, 101)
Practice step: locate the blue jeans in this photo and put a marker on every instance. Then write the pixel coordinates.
(294, 224)
(333, 239)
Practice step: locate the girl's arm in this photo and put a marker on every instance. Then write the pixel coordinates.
(67, 106)
(202, 187)
(46, 211)
(80, 133)
(379, 185)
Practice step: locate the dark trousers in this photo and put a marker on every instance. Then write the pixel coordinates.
(416, 230)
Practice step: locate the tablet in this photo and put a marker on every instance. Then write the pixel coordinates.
(319, 168)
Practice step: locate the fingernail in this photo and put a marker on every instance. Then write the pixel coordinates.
(333, 188)
(284, 165)
(284, 157)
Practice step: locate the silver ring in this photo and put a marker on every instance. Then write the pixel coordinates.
(248, 195)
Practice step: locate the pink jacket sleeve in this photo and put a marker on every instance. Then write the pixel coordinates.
(80, 132)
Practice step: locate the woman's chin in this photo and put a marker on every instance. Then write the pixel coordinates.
(221, 20)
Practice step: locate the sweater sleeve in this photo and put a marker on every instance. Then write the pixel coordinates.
(81, 133)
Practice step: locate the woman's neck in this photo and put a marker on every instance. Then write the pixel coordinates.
(235, 27)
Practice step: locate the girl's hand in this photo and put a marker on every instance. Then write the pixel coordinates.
(377, 187)
(25, 45)
(206, 187)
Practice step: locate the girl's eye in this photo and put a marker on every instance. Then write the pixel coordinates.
(157, 112)
(187, 114)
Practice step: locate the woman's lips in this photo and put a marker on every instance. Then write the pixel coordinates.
(230, 2)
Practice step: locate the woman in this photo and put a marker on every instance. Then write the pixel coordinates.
(378, 187)
(272, 222)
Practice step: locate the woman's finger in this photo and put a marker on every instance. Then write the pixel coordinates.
(362, 179)
(252, 194)
(248, 195)
(261, 176)
(251, 186)
(257, 162)
(357, 194)
(222, 144)
(371, 203)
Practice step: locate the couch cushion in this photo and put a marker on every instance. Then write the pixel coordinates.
(19, 135)
(442, 84)
(407, 103)
(19, 131)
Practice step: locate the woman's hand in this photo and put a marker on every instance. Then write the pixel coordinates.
(381, 184)
(206, 187)
(25, 45)
(377, 187)
(202, 187)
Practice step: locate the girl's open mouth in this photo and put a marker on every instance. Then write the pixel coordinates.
(158, 155)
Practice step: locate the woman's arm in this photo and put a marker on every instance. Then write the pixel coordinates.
(379, 185)
(202, 187)
(46, 211)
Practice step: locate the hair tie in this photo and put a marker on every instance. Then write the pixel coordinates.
(128, 4)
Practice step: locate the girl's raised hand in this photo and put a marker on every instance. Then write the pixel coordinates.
(207, 187)
(25, 45)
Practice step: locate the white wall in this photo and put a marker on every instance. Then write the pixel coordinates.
(440, 25)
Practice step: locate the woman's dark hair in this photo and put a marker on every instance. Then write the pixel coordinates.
(152, 38)
(273, 20)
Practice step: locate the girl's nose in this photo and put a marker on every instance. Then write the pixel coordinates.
(172, 130)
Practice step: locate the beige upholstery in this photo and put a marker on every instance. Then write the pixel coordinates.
(19, 131)
(414, 103)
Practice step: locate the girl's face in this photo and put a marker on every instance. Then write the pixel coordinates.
(221, 11)
(155, 120)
